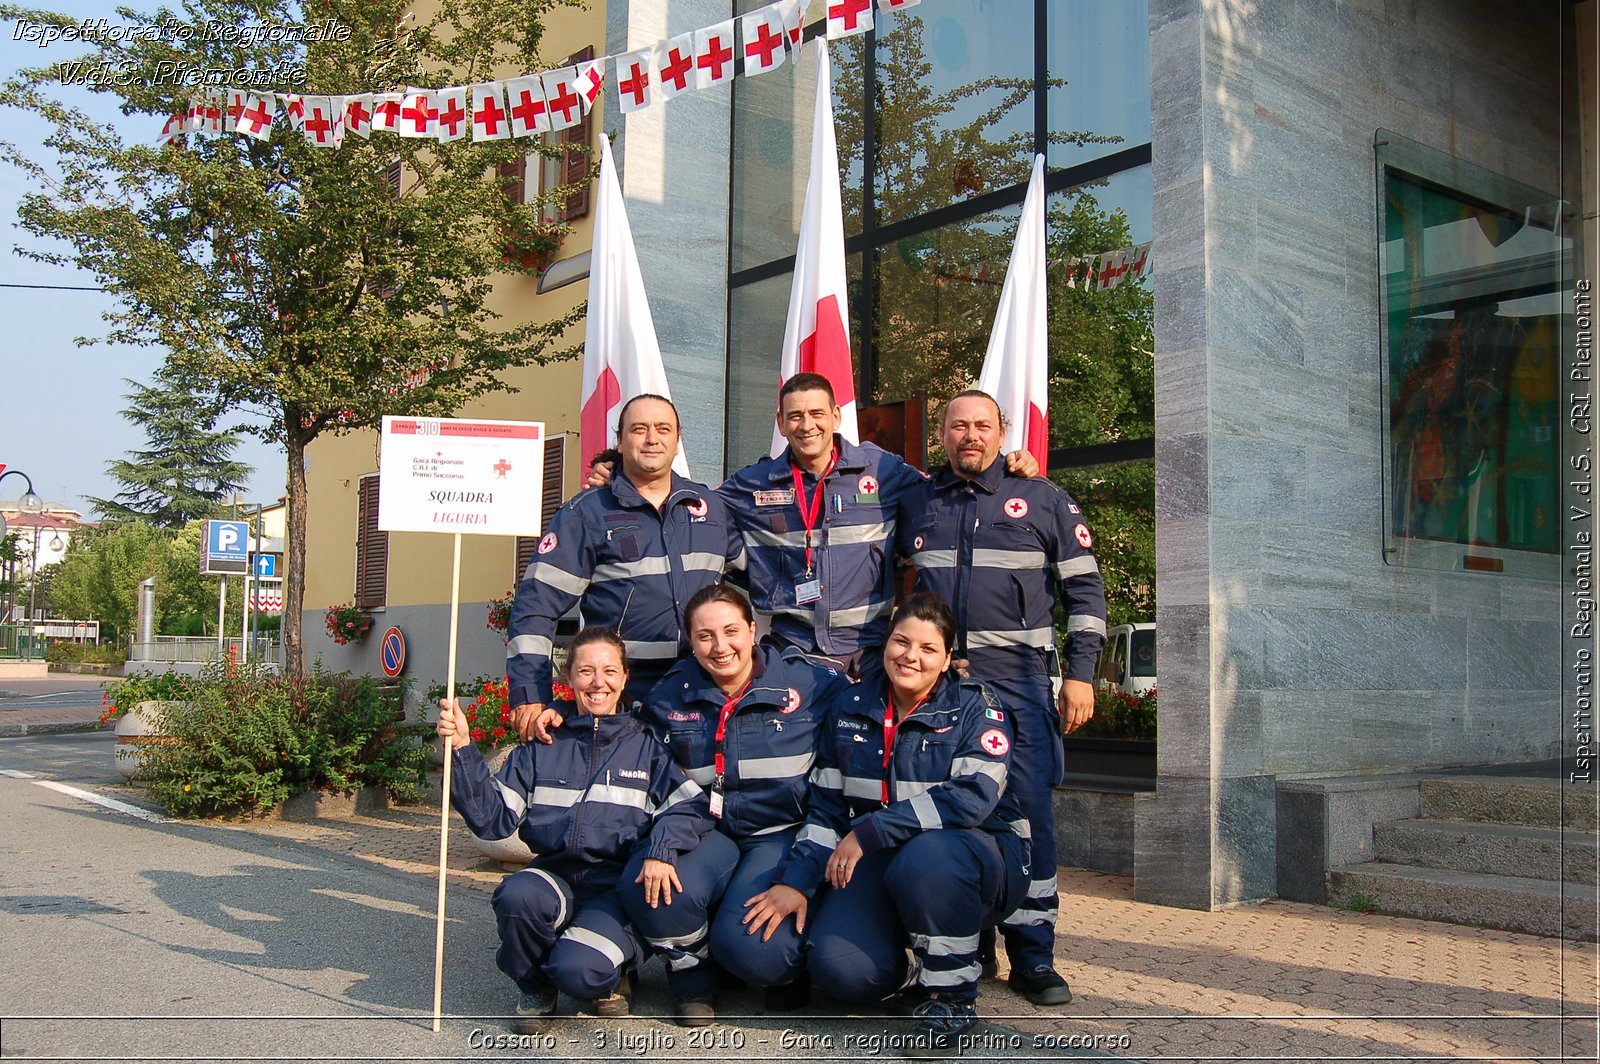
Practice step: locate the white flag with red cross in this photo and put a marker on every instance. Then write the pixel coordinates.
(490, 121)
(322, 126)
(358, 114)
(256, 118)
(846, 18)
(419, 114)
(235, 107)
(761, 35)
(386, 111)
(1016, 366)
(621, 356)
(793, 14)
(216, 109)
(713, 55)
(171, 130)
(896, 5)
(634, 80)
(452, 120)
(816, 336)
(564, 106)
(194, 116)
(526, 106)
(589, 81)
(675, 62)
(294, 111)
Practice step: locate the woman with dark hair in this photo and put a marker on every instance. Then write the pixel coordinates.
(601, 792)
(911, 826)
(742, 721)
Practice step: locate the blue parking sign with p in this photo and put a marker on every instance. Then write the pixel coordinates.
(227, 547)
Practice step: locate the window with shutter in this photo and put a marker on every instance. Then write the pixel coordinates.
(372, 548)
(513, 178)
(555, 469)
(570, 167)
(391, 174)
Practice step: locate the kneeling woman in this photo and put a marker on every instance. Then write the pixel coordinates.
(741, 720)
(602, 790)
(910, 781)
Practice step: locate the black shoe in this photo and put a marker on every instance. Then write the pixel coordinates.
(534, 1011)
(942, 1029)
(694, 1010)
(619, 1002)
(790, 997)
(1040, 985)
(987, 959)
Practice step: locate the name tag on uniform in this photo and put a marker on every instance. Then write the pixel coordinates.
(775, 498)
(807, 591)
(872, 498)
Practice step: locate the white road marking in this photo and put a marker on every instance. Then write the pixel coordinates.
(101, 800)
(16, 775)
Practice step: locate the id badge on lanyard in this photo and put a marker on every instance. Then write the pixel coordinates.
(719, 762)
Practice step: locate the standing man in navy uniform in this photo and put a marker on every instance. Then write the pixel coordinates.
(629, 554)
(1002, 552)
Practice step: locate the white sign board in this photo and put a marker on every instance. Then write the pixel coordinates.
(482, 478)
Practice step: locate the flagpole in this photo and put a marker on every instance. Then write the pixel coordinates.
(444, 802)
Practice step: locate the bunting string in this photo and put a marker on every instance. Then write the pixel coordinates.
(535, 103)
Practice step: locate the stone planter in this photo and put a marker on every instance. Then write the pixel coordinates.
(333, 805)
(136, 730)
(512, 853)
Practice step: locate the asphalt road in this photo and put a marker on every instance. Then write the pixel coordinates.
(131, 937)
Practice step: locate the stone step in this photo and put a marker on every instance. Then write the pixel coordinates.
(1536, 853)
(1539, 803)
(1509, 903)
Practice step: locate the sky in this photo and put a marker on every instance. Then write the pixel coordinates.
(60, 404)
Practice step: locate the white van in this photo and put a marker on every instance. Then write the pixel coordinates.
(1128, 661)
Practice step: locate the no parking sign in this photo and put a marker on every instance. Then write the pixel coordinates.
(392, 652)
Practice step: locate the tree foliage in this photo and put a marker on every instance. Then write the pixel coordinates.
(285, 281)
(186, 471)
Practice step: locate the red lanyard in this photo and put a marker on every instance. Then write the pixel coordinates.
(722, 725)
(809, 515)
(891, 728)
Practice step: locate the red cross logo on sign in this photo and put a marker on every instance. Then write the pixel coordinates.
(548, 543)
(697, 508)
(867, 485)
(501, 468)
(794, 701)
(1016, 508)
(1081, 534)
(994, 741)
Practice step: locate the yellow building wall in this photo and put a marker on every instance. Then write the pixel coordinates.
(419, 564)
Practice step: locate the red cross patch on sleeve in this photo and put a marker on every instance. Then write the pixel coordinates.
(548, 543)
(994, 742)
(1081, 534)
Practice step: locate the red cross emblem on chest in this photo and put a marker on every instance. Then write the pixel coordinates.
(867, 485)
(1016, 508)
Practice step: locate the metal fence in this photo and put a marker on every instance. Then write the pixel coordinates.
(200, 648)
(18, 642)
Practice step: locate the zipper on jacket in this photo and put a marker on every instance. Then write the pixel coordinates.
(588, 777)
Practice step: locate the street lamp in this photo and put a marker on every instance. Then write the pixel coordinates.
(30, 503)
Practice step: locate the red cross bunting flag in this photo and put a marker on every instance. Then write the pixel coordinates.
(358, 114)
(591, 77)
(171, 130)
(794, 12)
(816, 335)
(322, 125)
(621, 356)
(761, 35)
(256, 118)
(451, 118)
(675, 61)
(419, 114)
(294, 110)
(713, 55)
(235, 107)
(1016, 365)
(490, 121)
(386, 111)
(525, 104)
(896, 5)
(561, 98)
(846, 18)
(634, 80)
(216, 109)
(194, 116)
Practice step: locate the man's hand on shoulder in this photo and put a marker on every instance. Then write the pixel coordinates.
(533, 721)
(1022, 464)
(599, 475)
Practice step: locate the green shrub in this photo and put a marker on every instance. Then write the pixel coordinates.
(248, 740)
(1118, 715)
(91, 653)
(119, 696)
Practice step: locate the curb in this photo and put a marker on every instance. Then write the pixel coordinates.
(18, 731)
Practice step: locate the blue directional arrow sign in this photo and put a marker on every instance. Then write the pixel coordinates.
(266, 566)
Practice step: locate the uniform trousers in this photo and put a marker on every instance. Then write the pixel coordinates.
(551, 936)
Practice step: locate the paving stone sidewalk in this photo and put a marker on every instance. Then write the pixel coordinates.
(1276, 981)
